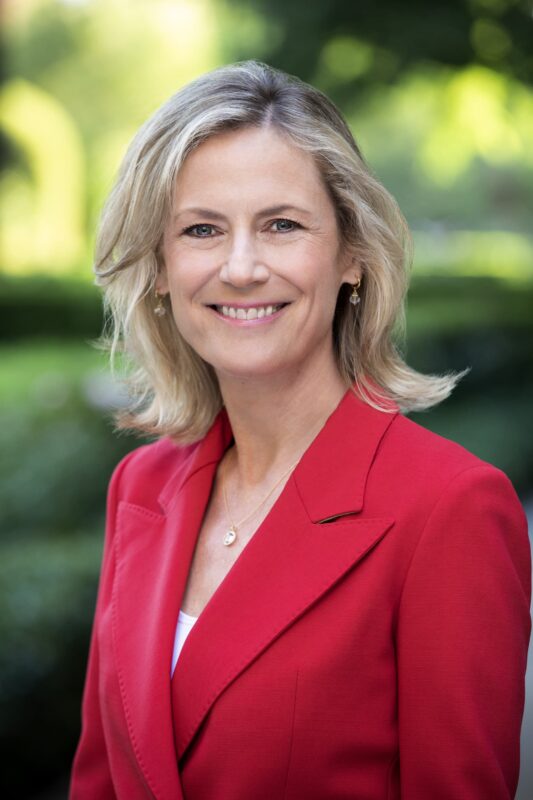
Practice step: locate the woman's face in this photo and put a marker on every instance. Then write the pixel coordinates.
(252, 256)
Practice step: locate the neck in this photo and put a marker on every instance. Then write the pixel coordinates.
(275, 419)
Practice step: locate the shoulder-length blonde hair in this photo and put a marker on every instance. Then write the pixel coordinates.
(173, 391)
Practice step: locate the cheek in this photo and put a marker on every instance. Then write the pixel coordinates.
(186, 275)
(318, 275)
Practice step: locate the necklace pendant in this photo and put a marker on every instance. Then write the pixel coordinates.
(230, 537)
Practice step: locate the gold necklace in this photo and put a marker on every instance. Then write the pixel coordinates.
(231, 534)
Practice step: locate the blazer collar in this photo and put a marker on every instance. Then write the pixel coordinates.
(354, 426)
(356, 429)
(207, 452)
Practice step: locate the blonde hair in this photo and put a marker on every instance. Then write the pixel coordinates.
(173, 391)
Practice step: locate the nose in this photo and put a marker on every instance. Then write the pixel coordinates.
(243, 265)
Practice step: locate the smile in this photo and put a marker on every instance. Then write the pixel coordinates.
(257, 312)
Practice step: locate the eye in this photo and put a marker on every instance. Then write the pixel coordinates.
(200, 231)
(285, 225)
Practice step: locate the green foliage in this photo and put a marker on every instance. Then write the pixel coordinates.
(62, 457)
(455, 33)
(80, 79)
(441, 103)
(470, 305)
(47, 595)
(44, 373)
(57, 451)
(45, 306)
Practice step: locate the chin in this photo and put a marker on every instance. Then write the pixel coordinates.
(247, 371)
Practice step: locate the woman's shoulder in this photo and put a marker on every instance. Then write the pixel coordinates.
(141, 475)
(424, 471)
(430, 459)
(412, 455)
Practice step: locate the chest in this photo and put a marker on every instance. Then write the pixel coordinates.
(211, 562)
(325, 688)
(212, 559)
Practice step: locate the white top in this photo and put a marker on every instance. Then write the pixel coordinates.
(183, 628)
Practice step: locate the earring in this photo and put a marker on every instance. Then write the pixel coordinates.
(354, 297)
(159, 309)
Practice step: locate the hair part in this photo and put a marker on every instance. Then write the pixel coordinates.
(173, 391)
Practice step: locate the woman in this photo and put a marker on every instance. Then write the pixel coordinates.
(304, 595)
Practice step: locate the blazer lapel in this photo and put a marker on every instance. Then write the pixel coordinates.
(289, 563)
(153, 554)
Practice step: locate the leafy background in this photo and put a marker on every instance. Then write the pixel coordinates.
(438, 96)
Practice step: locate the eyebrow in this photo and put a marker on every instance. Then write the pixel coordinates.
(208, 213)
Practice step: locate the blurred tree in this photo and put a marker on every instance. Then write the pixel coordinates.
(439, 99)
(365, 44)
(44, 219)
(439, 102)
(98, 70)
(452, 146)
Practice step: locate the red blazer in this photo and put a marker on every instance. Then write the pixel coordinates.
(369, 643)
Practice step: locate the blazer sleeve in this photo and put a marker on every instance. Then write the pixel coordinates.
(462, 640)
(91, 776)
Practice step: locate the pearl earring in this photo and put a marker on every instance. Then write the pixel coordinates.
(354, 297)
(159, 309)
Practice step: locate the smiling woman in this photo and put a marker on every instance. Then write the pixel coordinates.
(253, 103)
(304, 595)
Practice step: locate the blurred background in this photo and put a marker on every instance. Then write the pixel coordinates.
(439, 97)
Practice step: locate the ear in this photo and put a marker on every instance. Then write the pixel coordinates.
(161, 281)
(351, 269)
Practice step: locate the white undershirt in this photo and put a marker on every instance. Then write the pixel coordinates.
(183, 628)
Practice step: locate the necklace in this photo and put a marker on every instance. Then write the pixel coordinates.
(231, 534)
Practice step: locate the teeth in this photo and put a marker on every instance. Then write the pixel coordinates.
(251, 313)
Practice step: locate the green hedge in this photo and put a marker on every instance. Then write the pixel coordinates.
(47, 596)
(55, 464)
(450, 303)
(43, 306)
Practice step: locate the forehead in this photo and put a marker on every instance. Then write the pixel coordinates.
(250, 162)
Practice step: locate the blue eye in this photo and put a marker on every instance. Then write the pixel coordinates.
(201, 231)
(286, 225)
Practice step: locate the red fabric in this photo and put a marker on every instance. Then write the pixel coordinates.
(370, 642)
